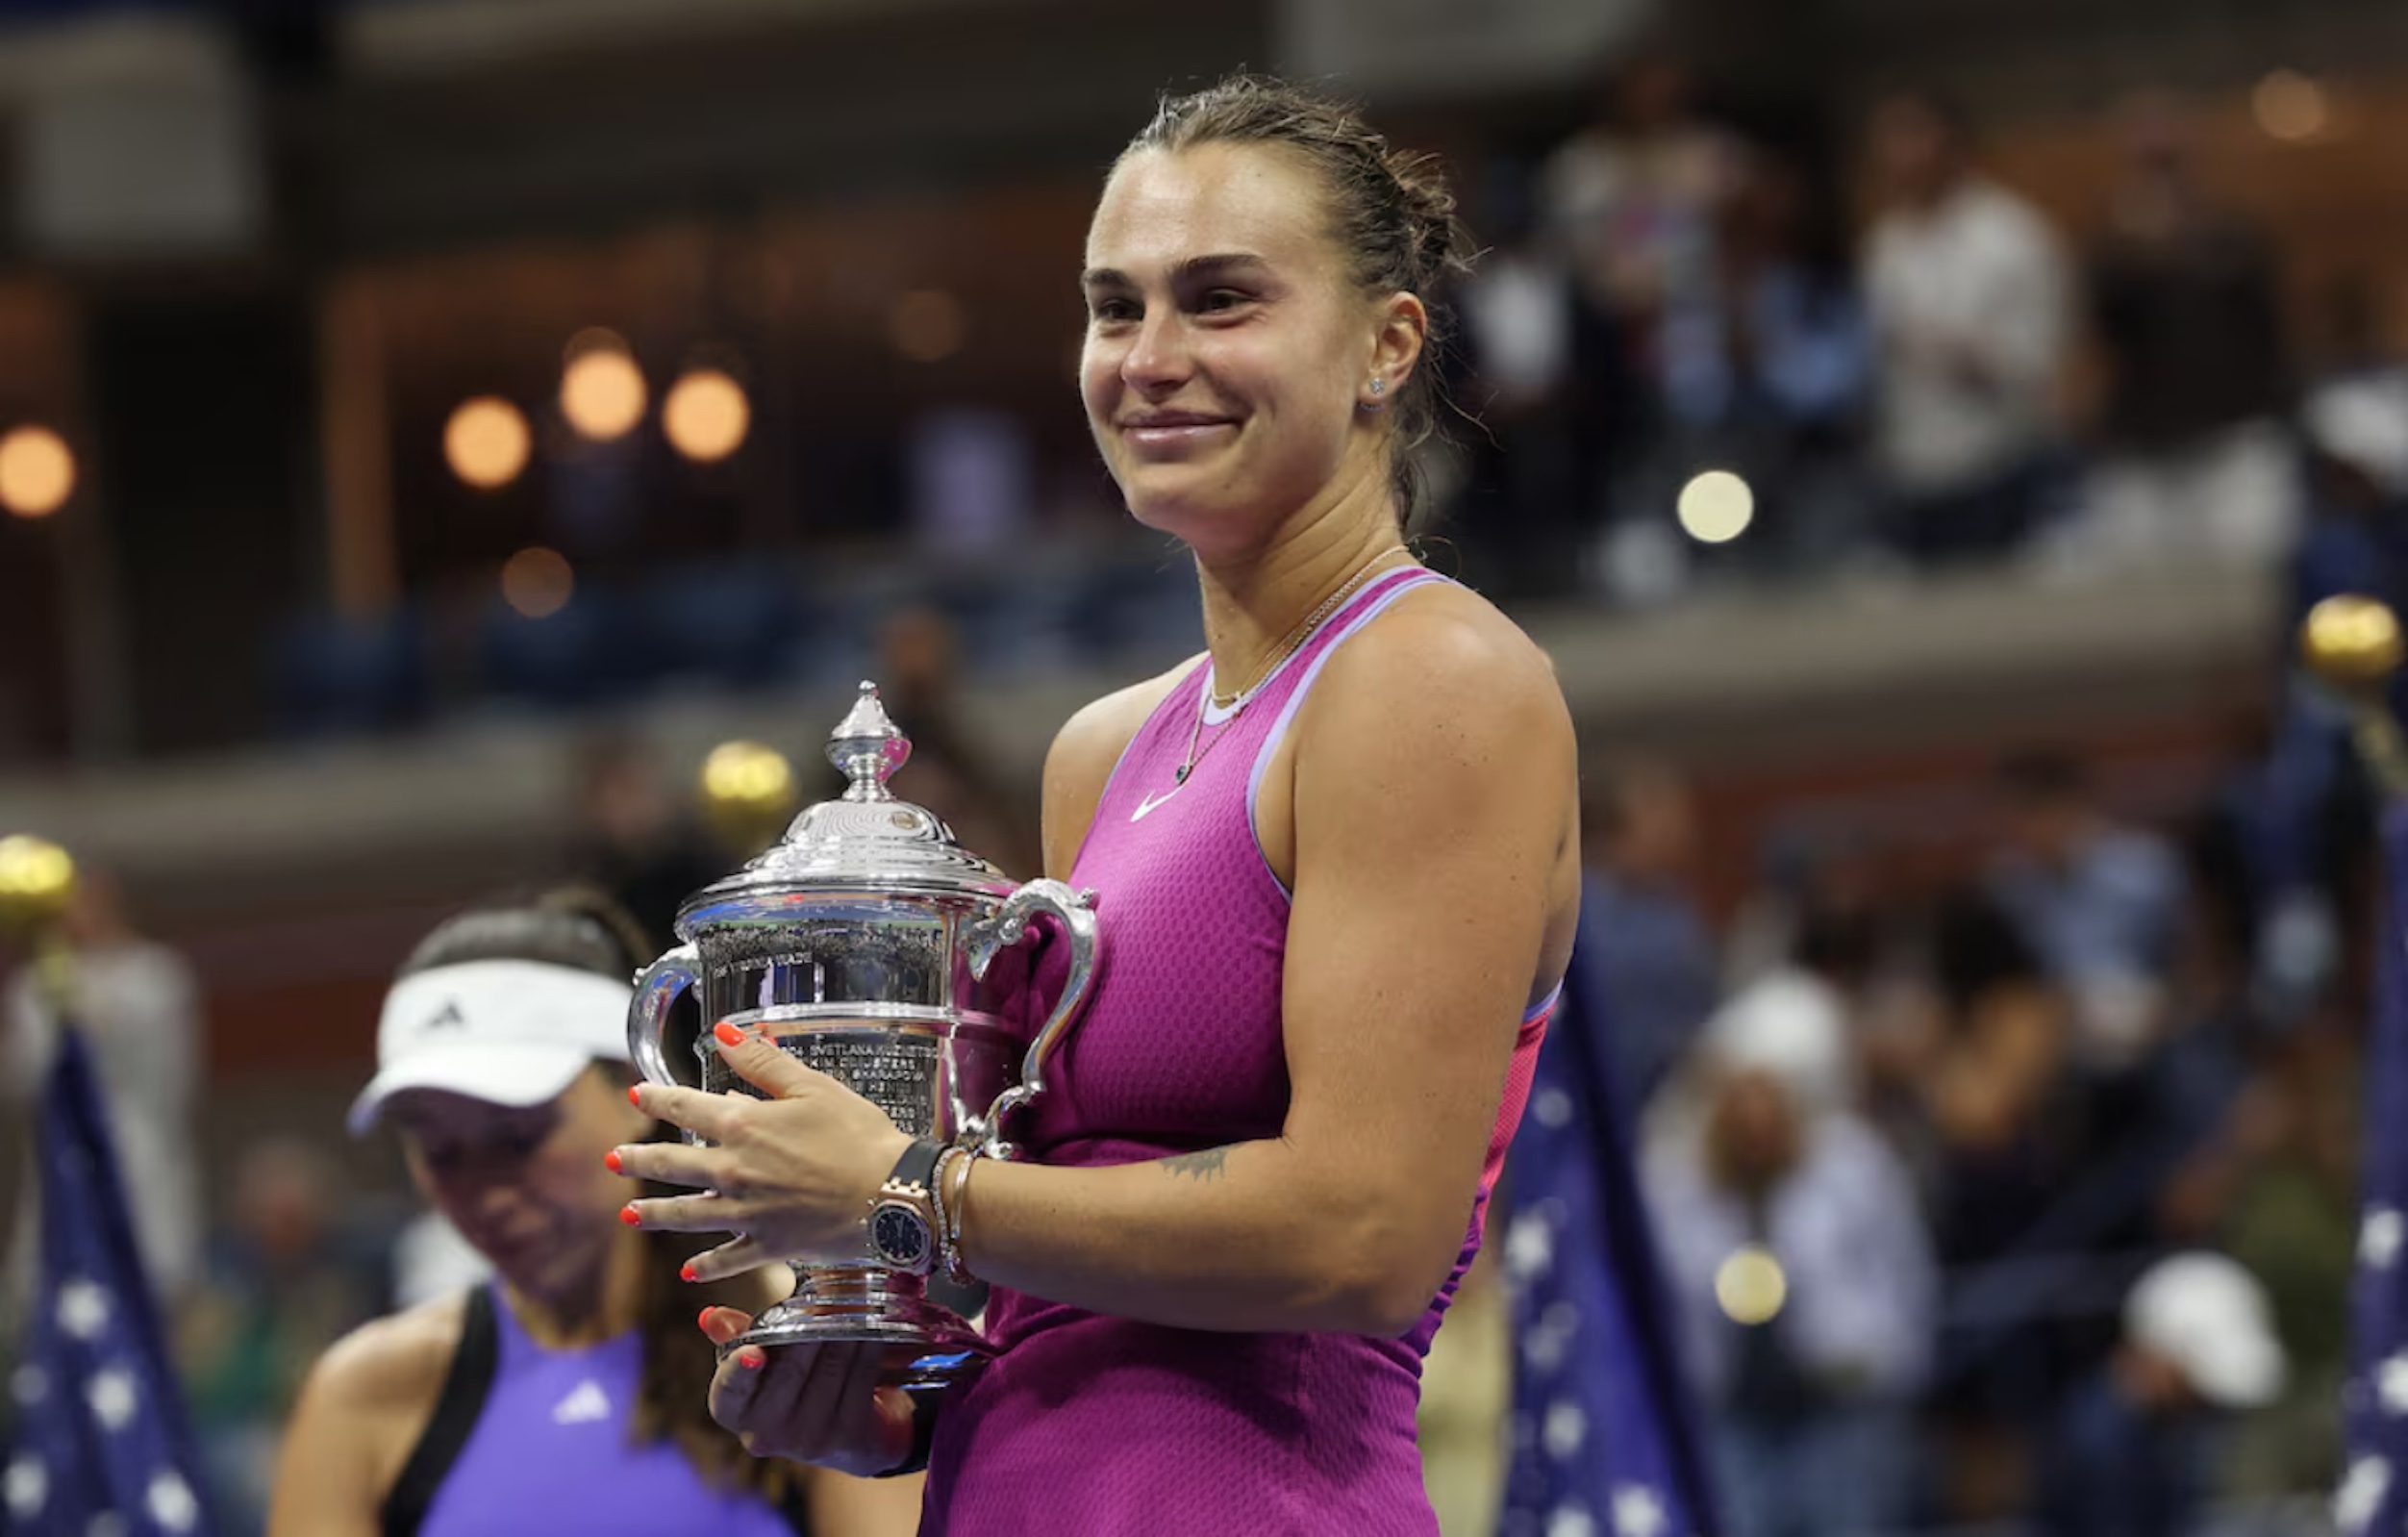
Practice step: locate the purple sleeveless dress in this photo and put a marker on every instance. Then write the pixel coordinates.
(546, 1450)
(1090, 1426)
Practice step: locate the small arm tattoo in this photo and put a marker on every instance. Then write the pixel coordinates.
(1204, 1164)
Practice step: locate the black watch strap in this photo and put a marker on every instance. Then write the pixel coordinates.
(924, 1408)
(918, 1166)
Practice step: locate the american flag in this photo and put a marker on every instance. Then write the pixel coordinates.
(1604, 1440)
(101, 1447)
(2372, 1498)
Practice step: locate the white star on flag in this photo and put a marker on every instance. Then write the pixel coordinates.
(1552, 1107)
(1571, 1521)
(1637, 1512)
(2361, 1495)
(171, 1502)
(1529, 1245)
(2379, 1238)
(1546, 1343)
(26, 1486)
(1566, 1429)
(2391, 1383)
(83, 1309)
(112, 1397)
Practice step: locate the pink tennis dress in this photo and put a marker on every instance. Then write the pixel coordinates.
(1090, 1426)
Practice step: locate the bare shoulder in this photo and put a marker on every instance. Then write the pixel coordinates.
(366, 1403)
(1445, 657)
(1103, 728)
(1081, 760)
(390, 1365)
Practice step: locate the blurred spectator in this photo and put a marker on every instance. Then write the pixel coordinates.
(287, 1277)
(1988, 1061)
(1967, 295)
(2128, 1455)
(1978, 1060)
(1806, 1371)
(2183, 311)
(2278, 1189)
(1534, 464)
(2357, 435)
(1632, 203)
(2298, 808)
(1654, 959)
(2100, 903)
(1813, 1005)
(139, 1005)
(633, 840)
(1633, 200)
(1766, 365)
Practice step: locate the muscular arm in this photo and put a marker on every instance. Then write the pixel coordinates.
(1434, 782)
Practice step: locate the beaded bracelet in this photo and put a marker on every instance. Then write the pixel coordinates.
(948, 1224)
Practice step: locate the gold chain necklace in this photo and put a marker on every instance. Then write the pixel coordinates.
(1286, 648)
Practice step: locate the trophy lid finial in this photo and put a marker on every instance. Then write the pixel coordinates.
(868, 748)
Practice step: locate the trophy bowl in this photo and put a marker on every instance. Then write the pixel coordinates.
(876, 948)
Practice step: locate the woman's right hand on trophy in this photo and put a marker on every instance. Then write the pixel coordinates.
(816, 1404)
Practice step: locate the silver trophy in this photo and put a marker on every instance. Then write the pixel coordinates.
(876, 948)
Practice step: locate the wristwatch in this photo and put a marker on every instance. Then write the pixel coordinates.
(902, 1215)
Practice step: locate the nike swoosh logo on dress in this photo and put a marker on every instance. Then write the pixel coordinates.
(1150, 802)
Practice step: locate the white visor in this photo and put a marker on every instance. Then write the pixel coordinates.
(507, 1032)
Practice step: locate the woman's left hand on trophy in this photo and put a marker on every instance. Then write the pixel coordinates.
(791, 1175)
(820, 1403)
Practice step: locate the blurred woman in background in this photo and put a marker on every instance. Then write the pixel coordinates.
(566, 1395)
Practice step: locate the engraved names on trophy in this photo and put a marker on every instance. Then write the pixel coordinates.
(892, 1072)
(895, 1072)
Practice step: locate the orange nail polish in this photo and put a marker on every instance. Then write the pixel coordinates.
(630, 1216)
(635, 1095)
(702, 1321)
(686, 1273)
(751, 1359)
(728, 1034)
(610, 1162)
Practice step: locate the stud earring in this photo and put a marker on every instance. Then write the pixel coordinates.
(1379, 387)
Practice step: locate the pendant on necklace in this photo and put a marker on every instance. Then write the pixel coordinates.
(1181, 778)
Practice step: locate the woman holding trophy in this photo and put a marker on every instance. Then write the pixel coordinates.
(566, 1395)
(1336, 866)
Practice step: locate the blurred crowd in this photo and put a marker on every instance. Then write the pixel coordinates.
(1885, 359)
(1906, 362)
(2056, 1194)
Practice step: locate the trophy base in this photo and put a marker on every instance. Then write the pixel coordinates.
(929, 1345)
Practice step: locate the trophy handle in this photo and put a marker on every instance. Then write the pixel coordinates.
(658, 988)
(1009, 926)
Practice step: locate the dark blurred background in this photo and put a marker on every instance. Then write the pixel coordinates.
(1916, 428)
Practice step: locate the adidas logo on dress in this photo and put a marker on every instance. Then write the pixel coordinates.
(585, 1404)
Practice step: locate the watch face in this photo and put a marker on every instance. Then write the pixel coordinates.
(899, 1236)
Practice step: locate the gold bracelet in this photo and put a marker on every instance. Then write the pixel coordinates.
(958, 1175)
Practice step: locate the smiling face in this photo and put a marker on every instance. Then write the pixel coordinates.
(1228, 351)
(525, 1186)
